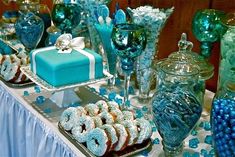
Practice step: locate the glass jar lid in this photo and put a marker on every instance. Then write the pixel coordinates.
(185, 54)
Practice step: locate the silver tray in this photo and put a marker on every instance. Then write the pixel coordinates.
(129, 151)
(27, 71)
(86, 94)
(16, 85)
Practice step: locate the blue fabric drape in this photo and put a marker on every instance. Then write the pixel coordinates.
(22, 134)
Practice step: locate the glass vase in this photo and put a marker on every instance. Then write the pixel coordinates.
(223, 107)
(29, 29)
(153, 20)
(227, 56)
(175, 104)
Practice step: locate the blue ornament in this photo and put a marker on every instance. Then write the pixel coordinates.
(196, 154)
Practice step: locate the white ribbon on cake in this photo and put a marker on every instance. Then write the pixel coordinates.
(65, 44)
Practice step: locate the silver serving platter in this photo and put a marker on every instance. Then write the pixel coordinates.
(27, 71)
(129, 151)
(16, 85)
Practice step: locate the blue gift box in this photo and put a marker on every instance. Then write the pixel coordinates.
(60, 69)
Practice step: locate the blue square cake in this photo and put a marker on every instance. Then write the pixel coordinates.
(59, 69)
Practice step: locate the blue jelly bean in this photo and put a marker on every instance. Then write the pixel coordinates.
(26, 93)
(112, 96)
(193, 143)
(37, 89)
(186, 154)
(40, 100)
(194, 132)
(156, 141)
(128, 103)
(208, 139)
(207, 126)
(48, 110)
(118, 101)
(102, 91)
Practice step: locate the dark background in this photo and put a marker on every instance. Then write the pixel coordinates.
(180, 21)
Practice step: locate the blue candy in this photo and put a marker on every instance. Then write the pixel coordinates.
(122, 93)
(102, 91)
(117, 82)
(203, 152)
(26, 93)
(37, 89)
(118, 101)
(194, 132)
(112, 96)
(193, 143)
(40, 100)
(156, 141)
(208, 139)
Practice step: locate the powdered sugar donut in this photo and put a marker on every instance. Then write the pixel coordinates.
(83, 125)
(92, 109)
(132, 131)
(112, 105)
(102, 105)
(117, 115)
(11, 71)
(98, 142)
(67, 118)
(81, 111)
(122, 137)
(98, 122)
(144, 129)
(106, 117)
(128, 115)
(112, 135)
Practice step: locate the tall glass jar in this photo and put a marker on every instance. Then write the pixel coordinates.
(227, 55)
(223, 107)
(176, 106)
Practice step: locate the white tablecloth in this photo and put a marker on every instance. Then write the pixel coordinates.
(26, 133)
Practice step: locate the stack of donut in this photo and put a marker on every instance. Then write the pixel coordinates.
(10, 67)
(104, 127)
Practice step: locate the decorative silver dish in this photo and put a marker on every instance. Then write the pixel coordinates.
(16, 85)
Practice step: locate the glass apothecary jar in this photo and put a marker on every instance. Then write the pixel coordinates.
(223, 106)
(176, 106)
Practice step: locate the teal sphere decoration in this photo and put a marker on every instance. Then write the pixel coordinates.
(207, 28)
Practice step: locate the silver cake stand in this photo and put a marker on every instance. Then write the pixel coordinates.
(62, 96)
